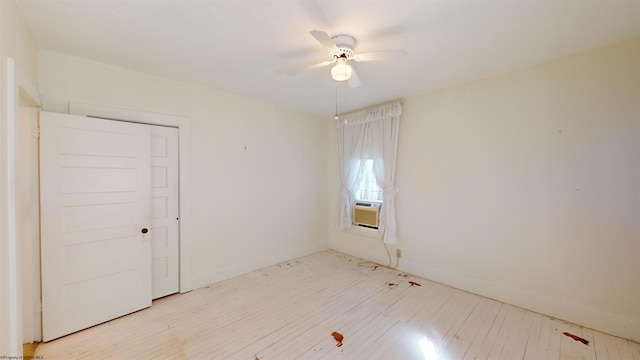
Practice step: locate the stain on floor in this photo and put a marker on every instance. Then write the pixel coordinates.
(338, 338)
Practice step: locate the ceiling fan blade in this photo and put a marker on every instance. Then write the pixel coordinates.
(299, 69)
(354, 81)
(325, 40)
(381, 55)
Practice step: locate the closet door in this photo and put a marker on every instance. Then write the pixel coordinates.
(164, 211)
(95, 206)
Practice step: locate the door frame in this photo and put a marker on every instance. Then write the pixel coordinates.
(16, 84)
(182, 123)
(29, 247)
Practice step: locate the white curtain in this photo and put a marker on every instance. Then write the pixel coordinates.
(368, 188)
(372, 131)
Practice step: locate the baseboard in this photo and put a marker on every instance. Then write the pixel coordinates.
(609, 323)
(229, 271)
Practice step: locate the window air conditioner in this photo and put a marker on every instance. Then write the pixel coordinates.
(366, 213)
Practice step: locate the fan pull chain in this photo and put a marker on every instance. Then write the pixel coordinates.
(345, 96)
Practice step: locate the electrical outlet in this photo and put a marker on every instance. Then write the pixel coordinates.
(398, 253)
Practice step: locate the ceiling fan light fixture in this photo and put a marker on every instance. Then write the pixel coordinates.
(341, 72)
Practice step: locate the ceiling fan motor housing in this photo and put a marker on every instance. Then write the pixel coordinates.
(345, 45)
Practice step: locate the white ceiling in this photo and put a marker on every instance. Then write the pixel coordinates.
(242, 46)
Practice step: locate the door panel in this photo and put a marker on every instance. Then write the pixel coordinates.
(95, 195)
(164, 211)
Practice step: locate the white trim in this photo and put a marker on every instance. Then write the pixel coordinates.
(613, 324)
(17, 83)
(28, 88)
(182, 123)
(365, 231)
(29, 273)
(14, 291)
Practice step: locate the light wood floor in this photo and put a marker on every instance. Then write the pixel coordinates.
(289, 311)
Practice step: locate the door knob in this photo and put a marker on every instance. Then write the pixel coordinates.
(145, 230)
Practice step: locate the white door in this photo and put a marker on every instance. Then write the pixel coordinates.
(164, 211)
(95, 195)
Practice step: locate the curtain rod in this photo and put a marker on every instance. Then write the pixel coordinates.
(400, 100)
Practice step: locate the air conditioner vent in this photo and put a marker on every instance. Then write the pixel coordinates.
(366, 214)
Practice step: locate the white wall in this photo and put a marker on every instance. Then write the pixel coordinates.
(525, 188)
(258, 178)
(16, 42)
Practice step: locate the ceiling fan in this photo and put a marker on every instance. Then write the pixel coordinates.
(341, 52)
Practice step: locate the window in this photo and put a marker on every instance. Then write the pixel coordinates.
(367, 143)
(367, 188)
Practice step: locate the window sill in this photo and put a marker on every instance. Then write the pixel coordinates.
(365, 231)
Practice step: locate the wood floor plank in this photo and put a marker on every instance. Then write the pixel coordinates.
(489, 343)
(406, 341)
(319, 312)
(534, 342)
(600, 347)
(465, 335)
(354, 308)
(516, 344)
(508, 333)
(410, 314)
(626, 351)
(396, 320)
(634, 348)
(320, 322)
(555, 337)
(485, 323)
(289, 311)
